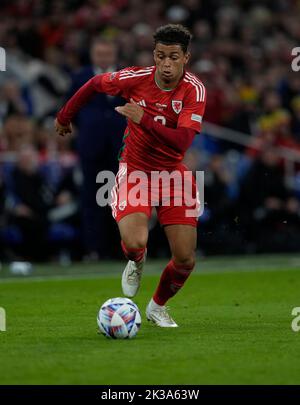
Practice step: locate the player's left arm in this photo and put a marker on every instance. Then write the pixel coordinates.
(180, 138)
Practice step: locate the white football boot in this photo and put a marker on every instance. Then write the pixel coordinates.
(131, 277)
(159, 315)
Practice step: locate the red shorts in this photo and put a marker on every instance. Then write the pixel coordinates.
(174, 195)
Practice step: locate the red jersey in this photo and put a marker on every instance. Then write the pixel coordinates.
(181, 107)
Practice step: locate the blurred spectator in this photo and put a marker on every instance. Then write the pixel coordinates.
(217, 228)
(29, 203)
(217, 181)
(48, 82)
(2, 201)
(17, 131)
(64, 218)
(269, 212)
(100, 132)
(246, 111)
(215, 104)
(11, 101)
(296, 118)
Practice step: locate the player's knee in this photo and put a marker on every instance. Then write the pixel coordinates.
(137, 241)
(185, 259)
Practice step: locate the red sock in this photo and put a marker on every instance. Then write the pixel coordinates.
(171, 280)
(133, 254)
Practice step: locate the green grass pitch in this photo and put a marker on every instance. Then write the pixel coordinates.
(234, 316)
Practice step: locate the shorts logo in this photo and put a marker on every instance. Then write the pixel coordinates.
(122, 205)
(177, 106)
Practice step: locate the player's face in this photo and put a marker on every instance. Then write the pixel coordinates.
(170, 61)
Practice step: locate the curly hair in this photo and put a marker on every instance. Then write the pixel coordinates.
(173, 34)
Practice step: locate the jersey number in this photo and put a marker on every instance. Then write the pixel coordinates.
(161, 119)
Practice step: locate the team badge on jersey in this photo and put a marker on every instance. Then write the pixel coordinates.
(177, 106)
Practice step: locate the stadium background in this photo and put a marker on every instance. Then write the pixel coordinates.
(235, 312)
(241, 51)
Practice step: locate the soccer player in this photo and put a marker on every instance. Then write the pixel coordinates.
(164, 110)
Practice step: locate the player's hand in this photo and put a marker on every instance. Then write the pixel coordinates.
(63, 130)
(132, 111)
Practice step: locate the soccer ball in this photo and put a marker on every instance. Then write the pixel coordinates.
(119, 318)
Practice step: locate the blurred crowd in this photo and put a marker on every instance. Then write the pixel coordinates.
(241, 50)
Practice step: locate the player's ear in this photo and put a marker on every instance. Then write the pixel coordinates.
(154, 55)
(187, 57)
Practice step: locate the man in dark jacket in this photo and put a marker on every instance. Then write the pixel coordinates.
(30, 199)
(99, 128)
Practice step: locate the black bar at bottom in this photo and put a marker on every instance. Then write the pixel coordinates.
(133, 394)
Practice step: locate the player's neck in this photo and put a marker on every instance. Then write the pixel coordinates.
(166, 86)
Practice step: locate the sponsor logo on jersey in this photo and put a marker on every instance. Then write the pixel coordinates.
(142, 103)
(196, 117)
(177, 106)
(161, 106)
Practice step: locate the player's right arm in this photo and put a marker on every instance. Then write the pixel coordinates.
(108, 83)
